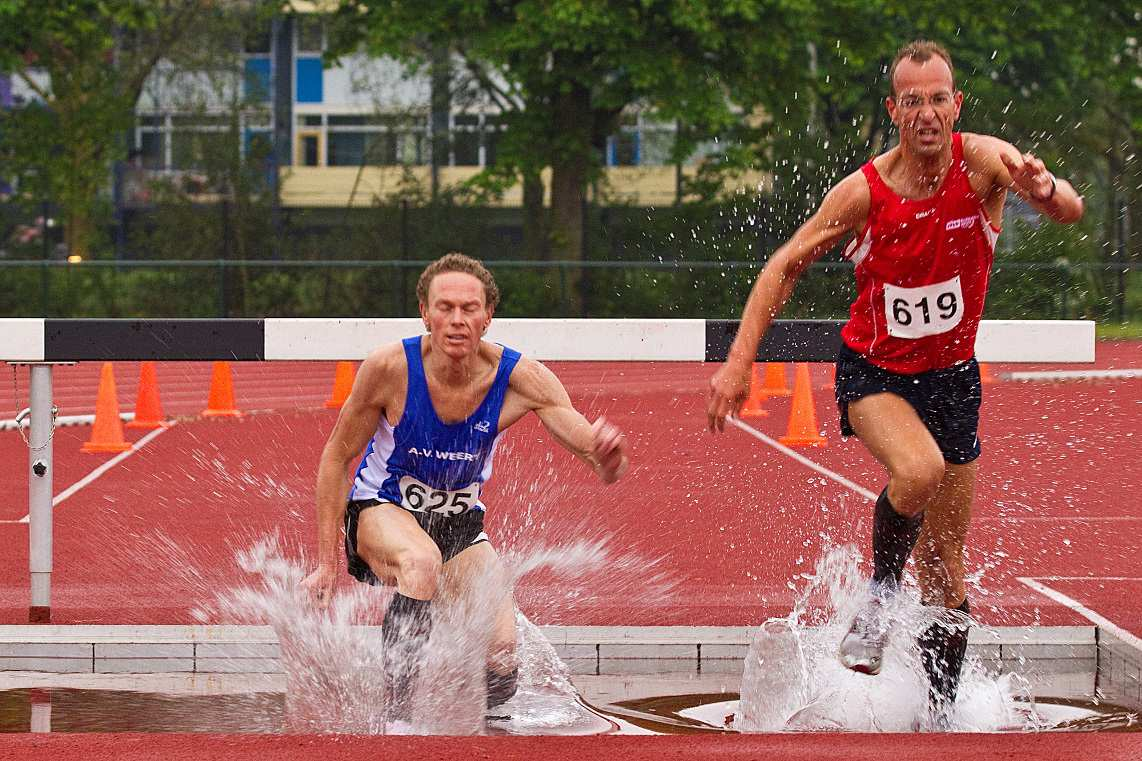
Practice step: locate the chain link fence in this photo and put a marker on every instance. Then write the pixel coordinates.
(669, 289)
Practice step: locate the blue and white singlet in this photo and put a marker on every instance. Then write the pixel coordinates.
(428, 466)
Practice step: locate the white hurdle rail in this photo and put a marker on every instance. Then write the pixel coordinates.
(42, 342)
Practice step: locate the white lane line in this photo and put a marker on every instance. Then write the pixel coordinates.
(1082, 610)
(870, 496)
(81, 483)
(62, 420)
(1058, 519)
(1057, 375)
(1087, 578)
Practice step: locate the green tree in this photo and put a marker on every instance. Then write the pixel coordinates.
(1057, 79)
(575, 65)
(87, 62)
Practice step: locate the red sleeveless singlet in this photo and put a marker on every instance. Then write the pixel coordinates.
(921, 271)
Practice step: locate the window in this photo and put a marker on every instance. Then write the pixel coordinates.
(310, 80)
(493, 128)
(474, 138)
(368, 148)
(381, 148)
(348, 120)
(466, 140)
(623, 147)
(310, 33)
(640, 140)
(309, 149)
(309, 120)
(201, 122)
(260, 38)
(259, 145)
(374, 139)
(185, 141)
(196, 150)
(152, 149)
(413, 146)
(256, 82)
(656, 141)
(346, 148)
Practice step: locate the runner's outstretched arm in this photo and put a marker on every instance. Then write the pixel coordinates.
(1050, 195)
(356, 424)
(843, 210)
(1026, 174)
(599, 444)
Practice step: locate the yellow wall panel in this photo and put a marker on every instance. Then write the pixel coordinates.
(350, 186)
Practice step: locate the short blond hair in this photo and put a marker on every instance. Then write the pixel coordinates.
(919, 51)
(454, 261)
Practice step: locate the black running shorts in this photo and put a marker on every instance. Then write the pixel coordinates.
(947, 400)
(452, 534)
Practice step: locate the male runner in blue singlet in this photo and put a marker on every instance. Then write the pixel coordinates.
(430, 409)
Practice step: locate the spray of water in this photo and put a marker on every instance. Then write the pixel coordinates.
(794, 681)
(333, 658)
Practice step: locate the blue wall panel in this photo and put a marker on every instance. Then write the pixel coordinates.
(309, 80)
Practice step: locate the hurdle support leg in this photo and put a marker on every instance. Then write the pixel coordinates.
(40, 474)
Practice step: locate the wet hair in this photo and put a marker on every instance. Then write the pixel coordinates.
(919, 51)
(454, 261)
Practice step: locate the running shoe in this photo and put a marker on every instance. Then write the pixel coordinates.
(862, 649)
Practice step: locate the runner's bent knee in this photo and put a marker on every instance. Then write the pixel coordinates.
(418, 571)
(913, 481)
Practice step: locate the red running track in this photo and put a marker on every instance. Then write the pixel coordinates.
(1104, 746)
(731, 521)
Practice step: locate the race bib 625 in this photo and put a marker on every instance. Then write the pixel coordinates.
(925, 311)
(422, 498)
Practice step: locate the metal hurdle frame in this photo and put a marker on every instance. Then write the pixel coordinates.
(42, 343)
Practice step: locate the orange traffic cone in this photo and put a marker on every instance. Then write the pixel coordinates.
(775, 380)
(107, 432)
(148, 407)
(342, 385)
(752, 406)
(803, 431)
(986, 376)
(221, 400)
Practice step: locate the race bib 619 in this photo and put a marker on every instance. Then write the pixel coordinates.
(925, 311)
(422, 498)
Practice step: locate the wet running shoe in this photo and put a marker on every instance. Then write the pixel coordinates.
(862, 649)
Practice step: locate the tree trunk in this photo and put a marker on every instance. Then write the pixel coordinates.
(569, 172)
(77, 231)
(534, 218)
(77, 196)
(440, 77)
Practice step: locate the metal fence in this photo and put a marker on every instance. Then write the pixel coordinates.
(678, 289)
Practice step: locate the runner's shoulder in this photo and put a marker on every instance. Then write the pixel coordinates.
(984, 150)
(535, 382)
(848, 201)
(385, 364)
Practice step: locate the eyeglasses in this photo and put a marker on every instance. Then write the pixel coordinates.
(912, 102)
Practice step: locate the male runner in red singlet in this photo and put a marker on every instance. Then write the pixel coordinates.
(925, 216)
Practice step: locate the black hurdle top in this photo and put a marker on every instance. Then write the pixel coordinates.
(244, 339)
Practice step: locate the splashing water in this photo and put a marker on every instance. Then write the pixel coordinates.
(793, 679)
(333, 663)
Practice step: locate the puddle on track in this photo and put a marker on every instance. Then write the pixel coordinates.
(106, 710)
(675, 714)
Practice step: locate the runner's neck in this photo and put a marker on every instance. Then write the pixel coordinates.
(456, 373)
(912, 176)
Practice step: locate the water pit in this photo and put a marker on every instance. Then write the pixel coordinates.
(1075, 680)
(312, 671)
